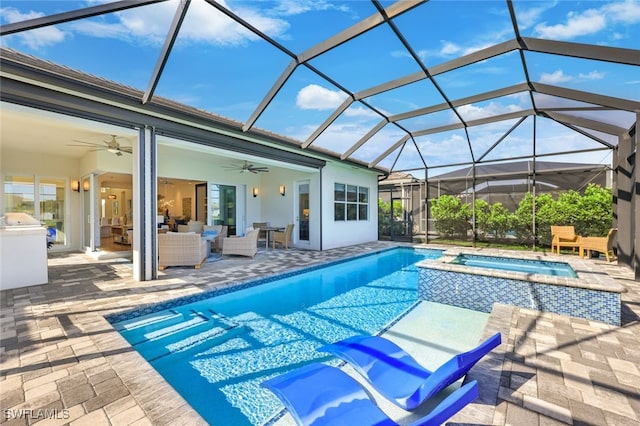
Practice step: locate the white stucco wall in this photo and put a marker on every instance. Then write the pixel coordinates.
(344, 233)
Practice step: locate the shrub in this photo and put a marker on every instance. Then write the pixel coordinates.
(451, 216)
(591, 214)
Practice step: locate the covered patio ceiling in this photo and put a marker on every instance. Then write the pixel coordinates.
(396, 86)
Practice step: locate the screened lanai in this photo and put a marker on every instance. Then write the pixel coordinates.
(418, 87)
(506, 183)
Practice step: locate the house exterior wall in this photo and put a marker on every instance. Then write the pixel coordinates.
(343, 233)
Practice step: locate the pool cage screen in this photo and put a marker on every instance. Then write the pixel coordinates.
(405, 200)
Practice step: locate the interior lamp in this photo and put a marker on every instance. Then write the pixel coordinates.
(282, 190)
(255, 191)
(75, 185)
(86, 185)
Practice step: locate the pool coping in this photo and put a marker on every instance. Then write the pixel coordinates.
(219, 290)
(588, 278)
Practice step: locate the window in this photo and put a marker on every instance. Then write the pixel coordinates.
(351, 202)
(42, 198)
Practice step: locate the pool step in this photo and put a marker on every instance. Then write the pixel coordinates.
(198, 342)
(155, 330)
(149, 321)
(163, 333)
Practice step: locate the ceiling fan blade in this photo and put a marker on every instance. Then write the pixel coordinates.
(85, 144)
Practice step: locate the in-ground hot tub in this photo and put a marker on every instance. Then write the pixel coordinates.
(587, 295)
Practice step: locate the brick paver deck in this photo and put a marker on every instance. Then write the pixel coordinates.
(62, 363)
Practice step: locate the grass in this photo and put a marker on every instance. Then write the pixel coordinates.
(504, 245)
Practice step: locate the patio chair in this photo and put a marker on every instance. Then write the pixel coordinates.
(318, 394)
(564, 236)
(599, 244)
(262, 236)
(217, 244)
(283, 237)
(242, 246)
(397, 375)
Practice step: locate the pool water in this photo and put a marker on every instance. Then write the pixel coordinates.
(217, 351)
(530, 266)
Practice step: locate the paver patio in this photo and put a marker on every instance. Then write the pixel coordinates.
(62, 363)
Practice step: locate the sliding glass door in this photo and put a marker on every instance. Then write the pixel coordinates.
(223, 202)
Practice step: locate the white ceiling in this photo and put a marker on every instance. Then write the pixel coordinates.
(29, 129)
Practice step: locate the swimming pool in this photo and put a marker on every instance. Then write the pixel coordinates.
(215, 352)
(531, 266)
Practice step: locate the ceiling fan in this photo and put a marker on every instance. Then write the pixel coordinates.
(246, 167)
(108, 145)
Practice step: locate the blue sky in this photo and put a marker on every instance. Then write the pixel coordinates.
(220, 67)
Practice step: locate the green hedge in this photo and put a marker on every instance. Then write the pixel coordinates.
(591, 214)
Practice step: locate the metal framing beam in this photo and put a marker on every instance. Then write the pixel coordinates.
(346, 104)
(363, 139)
(588, 123)
(585, 51)
(60, 18)
(588, 97)
(172, 34)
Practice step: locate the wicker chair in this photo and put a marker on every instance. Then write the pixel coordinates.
(242, 246)
(181, 249)
(217, 245)
(283, 237)
(599, 244)
(263, 233)
(564, 236)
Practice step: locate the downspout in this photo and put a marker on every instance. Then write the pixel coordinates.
(321, 221)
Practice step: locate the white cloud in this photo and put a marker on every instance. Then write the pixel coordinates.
(449, 48)
(361, 112)
(473, 112)
(593, 75)
(627, 11)
(554, 77)
(559, 76)
(591, 21)
(35, 39)
(297, 7)
(577, 24)
(319, 98)
(528, 17)
(203, 23)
